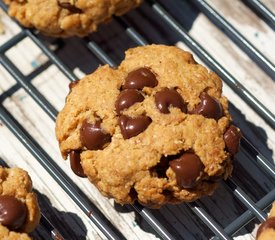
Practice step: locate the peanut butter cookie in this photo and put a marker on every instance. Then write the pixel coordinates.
(19, 211)
(156, 129)
(67, 17)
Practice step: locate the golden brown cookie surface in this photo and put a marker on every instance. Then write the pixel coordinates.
(6, 234)
(155, 129)
(67, 17)
(19, 211)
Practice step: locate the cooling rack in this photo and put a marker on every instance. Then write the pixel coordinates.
(252, 203)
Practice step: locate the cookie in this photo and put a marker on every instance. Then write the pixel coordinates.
(19, 210)
(6, 234)
(156, 129)
(266, 231)
(66, 18)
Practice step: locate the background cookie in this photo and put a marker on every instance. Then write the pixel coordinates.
(19, 211)
(156, 129)
(266, 231)
(67, 17)
(6, 234)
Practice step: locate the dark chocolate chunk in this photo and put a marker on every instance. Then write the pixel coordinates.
(75, 164)
(13, 212)
(140, 78)
(93, 136)
(188, 169)
(232, 139)
(127, 98)
(209, 107)
(169, 97)
(73, 84)
(269, 223)
(131, 127)
(69, 5)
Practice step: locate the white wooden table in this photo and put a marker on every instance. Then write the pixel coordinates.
(179, 220)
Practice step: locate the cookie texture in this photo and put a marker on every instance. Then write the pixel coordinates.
(266, 231)
(19, 210)
(67, 17)
(156, 129)
(6, 234)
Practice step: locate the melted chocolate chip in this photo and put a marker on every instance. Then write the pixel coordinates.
(93, 136)
(13, 212)
(75, 164)
(232, 139)
(269, 223)
(127, 98)
(69, 5)
(209, 107)
(73, 84)
(169, 97)
(140, 78)
(188, 169)
(131, 127)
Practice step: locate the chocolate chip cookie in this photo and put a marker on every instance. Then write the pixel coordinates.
(19, 211)
(156, 129)
(67, 17)
(266, 231)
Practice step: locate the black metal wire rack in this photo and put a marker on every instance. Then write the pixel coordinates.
(254, 209)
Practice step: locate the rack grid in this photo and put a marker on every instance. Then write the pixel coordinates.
(253, 209)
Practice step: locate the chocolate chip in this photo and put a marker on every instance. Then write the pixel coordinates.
(73, 84)
(131, 127)
(127, 98)
(69, 5)
(232, 139)
(93, 136)
(209, 107)
(75, 164)
(188, 169)
(13, 212)
(269, 223)
(140, 78)
(169, 97)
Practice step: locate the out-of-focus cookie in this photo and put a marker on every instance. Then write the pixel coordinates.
(156, 129)
(19, 210)
(266, 231)
(67, 17)
(6, 234)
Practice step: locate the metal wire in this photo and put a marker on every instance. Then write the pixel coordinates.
(263, 10)
(31, 90)
(248, 215)
(208, 220)
(242, 196)
(254, 209)
(243, 43)
(55, 234)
